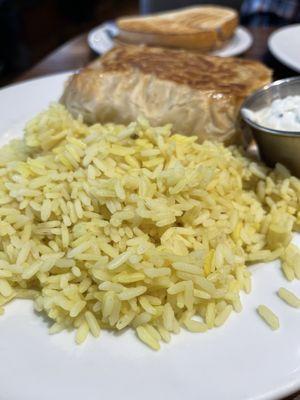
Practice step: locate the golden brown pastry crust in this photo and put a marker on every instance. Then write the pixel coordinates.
(198, 94)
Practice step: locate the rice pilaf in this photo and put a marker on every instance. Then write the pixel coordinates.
(108, 226)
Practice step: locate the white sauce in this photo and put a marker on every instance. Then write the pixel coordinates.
(282, 114)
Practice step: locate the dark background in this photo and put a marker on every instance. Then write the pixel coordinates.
(30, 29)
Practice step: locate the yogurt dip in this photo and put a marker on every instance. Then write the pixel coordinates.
(282, 114)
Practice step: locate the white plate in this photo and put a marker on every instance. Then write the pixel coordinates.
(284, 44)
(241, 42)
(242, 360)
(101, 40)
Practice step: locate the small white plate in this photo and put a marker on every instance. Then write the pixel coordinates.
(243, 360)
(241, 42)
(284, 44)
(101, 40)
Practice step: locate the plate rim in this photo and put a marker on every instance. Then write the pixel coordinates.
(243, 48)
(36, 78)
(278, 54)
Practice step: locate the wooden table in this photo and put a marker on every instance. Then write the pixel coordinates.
(76, 54)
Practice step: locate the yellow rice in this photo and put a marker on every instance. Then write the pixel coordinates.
(108, 226)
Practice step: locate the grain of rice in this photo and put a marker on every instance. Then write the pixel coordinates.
(46, 210)
(189, 295)
(168, 317)
(31, 271)
(108, 304)
(237, 305)
(55, 328)
(177, 288)
(195, 326)
(92, 323)
(268, 316)
(165, 335)
(23, 254)
(118, 261)
(79, 249)
(205, 285)
(157, 272)
(84, 285)
(147, 338)
(131, 293)
(155, 301)
(5, 288)
(141, 319)
(153, 332)
(130, 278)
(108, 249)
(201, 294)
(185, 267)
(223, 315)
(82, 333)
(125, 320)
(247, 285)
(145, 303)
(115, 314)
(210, 315)
(288, 271)
(76, 271)
(77, 308)
(289, 297)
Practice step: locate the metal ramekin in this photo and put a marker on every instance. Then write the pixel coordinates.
(274, 145)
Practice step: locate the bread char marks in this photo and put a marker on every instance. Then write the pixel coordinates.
(228, 76)
(194, 22)
(188, 20)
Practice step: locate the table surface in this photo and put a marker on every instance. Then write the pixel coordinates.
(76, 54)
